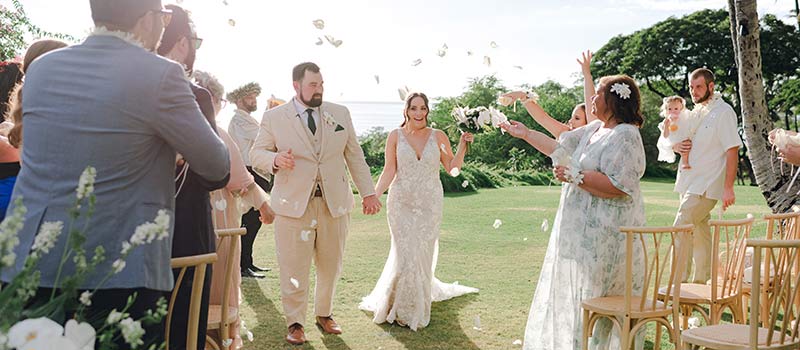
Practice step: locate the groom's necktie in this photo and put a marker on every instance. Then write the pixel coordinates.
(311, 124)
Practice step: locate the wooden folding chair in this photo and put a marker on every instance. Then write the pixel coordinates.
(221, 316)
(779, 331)
(632, 311)
(199, 262)
(727, 268)
(779, 227)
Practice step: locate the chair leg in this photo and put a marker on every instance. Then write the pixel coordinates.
(745, 302)
(657, 341)
(625, 337)
(586, 330)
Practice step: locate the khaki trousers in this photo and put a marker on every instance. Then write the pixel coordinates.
(696, 209)
(325, 245)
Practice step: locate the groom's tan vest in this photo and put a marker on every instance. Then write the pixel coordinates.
(336, 152)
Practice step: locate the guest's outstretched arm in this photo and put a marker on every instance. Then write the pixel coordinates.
(588, 84)
(553, 126)
(538, 140)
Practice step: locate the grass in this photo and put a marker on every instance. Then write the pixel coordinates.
(503, 263)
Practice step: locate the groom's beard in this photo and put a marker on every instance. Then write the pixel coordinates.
(314, 102)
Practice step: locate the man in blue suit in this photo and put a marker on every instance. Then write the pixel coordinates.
(111, 103)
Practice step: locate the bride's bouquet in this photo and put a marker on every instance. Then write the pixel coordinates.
(477, 120)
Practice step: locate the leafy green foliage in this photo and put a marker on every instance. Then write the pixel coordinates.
(16, 29)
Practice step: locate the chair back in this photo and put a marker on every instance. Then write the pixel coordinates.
(781, 324)
(661, 265)
(234, 238)
(729, 238)
(199, 262)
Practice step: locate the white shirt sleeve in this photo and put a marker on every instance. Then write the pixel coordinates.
(727, 130)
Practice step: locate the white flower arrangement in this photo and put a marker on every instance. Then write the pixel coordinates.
(46, 332)
(622, 90)
(477, 120)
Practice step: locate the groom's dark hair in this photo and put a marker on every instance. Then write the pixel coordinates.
(120, 14)
(299, 71)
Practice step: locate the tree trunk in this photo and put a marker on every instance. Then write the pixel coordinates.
(755, 117)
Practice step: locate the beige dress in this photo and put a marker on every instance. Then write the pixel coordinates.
(228, 205)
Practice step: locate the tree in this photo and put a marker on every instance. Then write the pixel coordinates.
(16, 28)
(745, 34)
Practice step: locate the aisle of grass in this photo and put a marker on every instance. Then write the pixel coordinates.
(503, 263)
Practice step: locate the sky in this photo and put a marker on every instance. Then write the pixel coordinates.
(383, 38)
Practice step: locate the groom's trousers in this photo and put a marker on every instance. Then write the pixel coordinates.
(295, 249)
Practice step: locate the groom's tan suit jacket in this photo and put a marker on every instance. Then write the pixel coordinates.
(282, 129)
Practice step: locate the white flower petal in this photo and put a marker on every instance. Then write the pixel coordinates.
(525, 239)
(313, 223)
(416, 62)
(82, 334)
(455, 172)
(465, 184)
(497, 223)
(304, 235)
(545, 226)
(517, 342)
(294, 282)
(319, 24)
(31, 329)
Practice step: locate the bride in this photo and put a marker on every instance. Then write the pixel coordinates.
(407, 285)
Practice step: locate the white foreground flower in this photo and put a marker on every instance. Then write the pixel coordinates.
(81, 334)
(47, 237)
(132, 331)
(86, 298)
(29, 330)
(86, 182)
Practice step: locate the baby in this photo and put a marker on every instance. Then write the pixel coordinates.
(677, 126)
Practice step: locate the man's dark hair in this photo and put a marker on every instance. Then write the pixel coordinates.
(121, 14)
(706, 73)
(299, 71)
(179, 27)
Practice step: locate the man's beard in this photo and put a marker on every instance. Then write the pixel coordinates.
(314, 102)
(705, 97)
(251, 107)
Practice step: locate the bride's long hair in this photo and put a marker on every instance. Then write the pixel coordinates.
(410, 98)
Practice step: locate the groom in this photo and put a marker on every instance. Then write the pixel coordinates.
(305, 143)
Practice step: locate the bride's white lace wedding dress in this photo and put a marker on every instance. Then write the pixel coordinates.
(407, 285)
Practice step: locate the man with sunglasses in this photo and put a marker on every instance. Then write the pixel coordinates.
(111, 104)
(194, 231)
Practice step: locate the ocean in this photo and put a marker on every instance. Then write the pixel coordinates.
(365, 115)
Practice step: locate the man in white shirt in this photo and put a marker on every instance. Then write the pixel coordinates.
(714, 158)
(243, 130)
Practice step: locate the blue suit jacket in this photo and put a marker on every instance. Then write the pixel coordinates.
(125, 111)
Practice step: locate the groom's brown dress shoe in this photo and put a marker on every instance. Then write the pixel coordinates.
(296, 335)
(328, 325)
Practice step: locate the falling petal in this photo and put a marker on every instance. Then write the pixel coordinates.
(231, 22)
(225, 2)
(294, 282)
(455, 172)
(525, 239)
(518, 67)
(441, 53)
(487, 61)
(313, 223)
(545, 226)
(304, 235)
(377, 79)
(320, 24)
(319, 41)
(249, 336)
(465, 184)
(469, 53)
(220, 205)
(416, 62)
(493, 45)
(337, 43)
(444, 47)
(403, 93)
(517, 342)
(497, 223)
(477, 323)
(333, 41)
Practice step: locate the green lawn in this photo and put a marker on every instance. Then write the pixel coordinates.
(503, 263)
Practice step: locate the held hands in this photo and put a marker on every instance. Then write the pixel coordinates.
(560, 172)
(515, 128)
(371, 205)
(284, 160)
(265, 214)
(585, 61)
